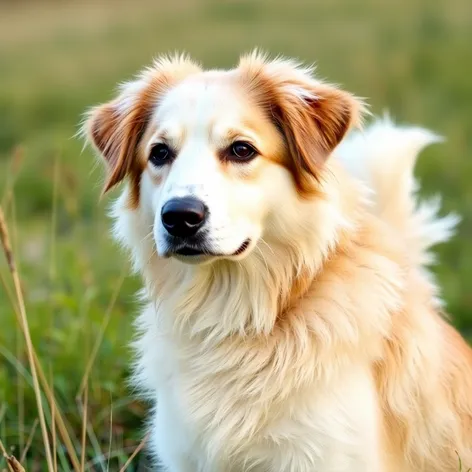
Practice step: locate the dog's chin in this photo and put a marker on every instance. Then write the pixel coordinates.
(204, 255)
(200, 259)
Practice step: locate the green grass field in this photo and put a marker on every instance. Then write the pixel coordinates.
(59, 57)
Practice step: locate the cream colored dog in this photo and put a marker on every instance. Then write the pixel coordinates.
(291, 324)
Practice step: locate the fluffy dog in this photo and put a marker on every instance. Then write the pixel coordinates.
(291, 323)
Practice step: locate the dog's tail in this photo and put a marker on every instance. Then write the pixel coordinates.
(383, 156)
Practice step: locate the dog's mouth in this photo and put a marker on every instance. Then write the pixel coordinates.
(193, 251)
(190, 251)
(243, 247)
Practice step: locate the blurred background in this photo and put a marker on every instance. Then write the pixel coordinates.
(57, 58)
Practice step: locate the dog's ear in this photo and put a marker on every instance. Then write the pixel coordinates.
(312, 116)
(116, 128)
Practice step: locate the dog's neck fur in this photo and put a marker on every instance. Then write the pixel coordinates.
(227, 298)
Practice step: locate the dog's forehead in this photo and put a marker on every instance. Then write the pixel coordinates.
(203, 98)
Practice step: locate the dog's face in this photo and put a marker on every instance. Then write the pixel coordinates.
(209, 169)
(215, 158)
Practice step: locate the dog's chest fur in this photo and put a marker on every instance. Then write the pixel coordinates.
(233, 403)
(216, 413)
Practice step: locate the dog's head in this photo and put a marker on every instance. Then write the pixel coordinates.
(216, 157)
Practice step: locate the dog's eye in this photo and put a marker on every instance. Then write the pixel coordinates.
(160, 154)
(241, 151)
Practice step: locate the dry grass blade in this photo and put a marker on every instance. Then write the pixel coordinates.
(84, 428)
(135, 453)
(101, 334)
(20, 394)
(13, 464)
(53, 432)
(61, 425)
(5, 240)
(460, 463)
(59, 420)
(111, 439)
(30, 440)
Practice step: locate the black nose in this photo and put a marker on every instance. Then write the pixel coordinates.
(183, 217)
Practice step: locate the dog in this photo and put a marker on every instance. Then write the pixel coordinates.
(291, 322)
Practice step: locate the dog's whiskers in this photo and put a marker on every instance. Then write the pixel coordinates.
(148, 235)
(267, 244)
(263, 258)
(153, 253)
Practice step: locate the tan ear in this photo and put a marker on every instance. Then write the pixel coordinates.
(313, 116)
(116, 128)
(314, 121)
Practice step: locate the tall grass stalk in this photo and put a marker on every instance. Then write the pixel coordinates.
(5, 241)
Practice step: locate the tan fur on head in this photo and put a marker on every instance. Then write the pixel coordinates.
(313, 116)
(115, 128)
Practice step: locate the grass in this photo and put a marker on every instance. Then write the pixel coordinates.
(58, 58)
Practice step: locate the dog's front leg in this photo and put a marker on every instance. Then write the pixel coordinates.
(176, 464)
(169, 440)
(168, 457)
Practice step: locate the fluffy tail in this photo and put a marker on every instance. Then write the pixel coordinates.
(383, 156)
